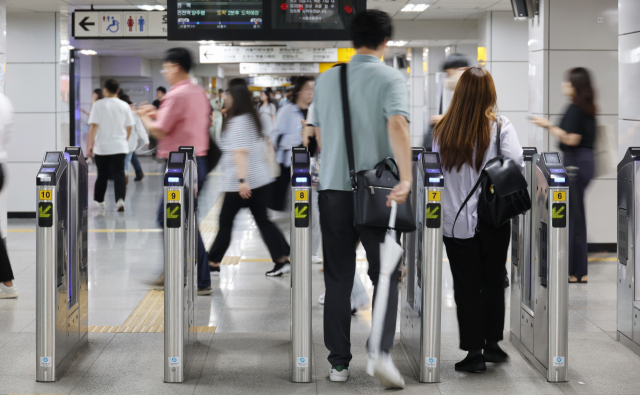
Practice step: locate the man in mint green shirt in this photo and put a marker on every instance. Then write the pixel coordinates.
(379, 105)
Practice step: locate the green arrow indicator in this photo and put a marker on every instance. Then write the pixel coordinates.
(44, 213)
(301, 213)
(172, 214)
(557, 213)
(432, 212)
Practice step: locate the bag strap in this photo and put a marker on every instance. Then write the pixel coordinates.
(483, 175)
(346, 115)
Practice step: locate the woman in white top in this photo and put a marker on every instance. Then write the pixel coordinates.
(246, 179)
(466, 140)
(267, 111)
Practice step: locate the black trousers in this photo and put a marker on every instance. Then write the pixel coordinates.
(114, 165)
(257, 203)
(582, 159)
(339, 241)
(6, 274)
(478, 283)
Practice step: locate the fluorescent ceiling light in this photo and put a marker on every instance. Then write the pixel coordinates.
(397, 43)
(159, 8)
(203, 42)
(414, 7)
(146, 7)
(88, 52)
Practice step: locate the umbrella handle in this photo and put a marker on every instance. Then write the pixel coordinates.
(392, 217)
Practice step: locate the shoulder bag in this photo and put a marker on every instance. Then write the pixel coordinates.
(504, 194)
(371, 187)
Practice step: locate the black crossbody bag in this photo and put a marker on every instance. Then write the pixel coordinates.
(504, 193)
(371, 187)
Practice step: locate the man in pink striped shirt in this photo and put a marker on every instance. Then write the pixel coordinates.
(182, 120)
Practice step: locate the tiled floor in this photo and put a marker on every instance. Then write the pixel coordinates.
(249, 352)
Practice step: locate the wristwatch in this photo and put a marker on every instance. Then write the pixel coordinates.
(241, 180)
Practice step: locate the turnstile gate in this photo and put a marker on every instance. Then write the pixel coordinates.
(61, 261)
(521, 252)
(421, 297)
(544, 310)
(179, 265)
(301, 335)
(628, 259)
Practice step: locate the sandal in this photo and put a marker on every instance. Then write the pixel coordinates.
(583, 279)
(573, 279)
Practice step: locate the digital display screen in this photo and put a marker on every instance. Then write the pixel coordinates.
(301, 179)
(552, 158)
(52, 157)
(220, 14)
(430, 158)
(300, 158)
(173, 179)
(177, 157)
(47, 169)
(436, 180)
(433, 170)
(312, 14)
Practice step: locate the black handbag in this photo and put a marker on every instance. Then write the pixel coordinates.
(371, 187)
(504, 194)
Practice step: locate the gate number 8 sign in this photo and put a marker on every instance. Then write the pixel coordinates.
(173, 195)
(302, 195)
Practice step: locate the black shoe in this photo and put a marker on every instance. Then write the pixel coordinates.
(493, 353)
(279, 269)
(215, 270)
(473, 364)
(354, 311)
(139, 177)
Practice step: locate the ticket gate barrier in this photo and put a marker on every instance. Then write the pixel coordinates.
(61, 261)
(180, 251)
(301, 335)
(421, 293)
(628, 293)
(544, 310)
(521, 252)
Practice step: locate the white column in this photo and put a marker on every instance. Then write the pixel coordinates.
(435, 59)
(629, 69)
(3, 59)
(504, 41)
(416, 101)
(38, 86)
(561, 38)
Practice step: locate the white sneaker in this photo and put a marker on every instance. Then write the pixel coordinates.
(98, 204)
(385, 371)
(340, 376)
(321, 299)
(120, 205)
(8, 292)
(316, 259)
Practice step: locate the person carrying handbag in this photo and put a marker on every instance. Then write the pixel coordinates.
(475, 147)
(370, 120)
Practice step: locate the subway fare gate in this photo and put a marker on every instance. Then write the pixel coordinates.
(421, 293)
(61, 261)
(180, 251)
(628, 304)
(544, 307)
(301, 330)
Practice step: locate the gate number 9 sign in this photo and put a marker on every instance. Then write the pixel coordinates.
(173, 195)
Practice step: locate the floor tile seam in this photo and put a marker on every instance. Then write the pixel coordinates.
(12, 337)
(92, 363)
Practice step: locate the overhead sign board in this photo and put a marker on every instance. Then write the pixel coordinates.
(262, 20)
(278, 68)
(119, 24)
(224, 54)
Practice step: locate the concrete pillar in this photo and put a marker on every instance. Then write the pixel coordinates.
(38, 85)
(568, 34)
(502, 42)
(416, 101)
(435, 59)
(629, 75)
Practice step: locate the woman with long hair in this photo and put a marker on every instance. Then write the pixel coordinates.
(477, 251)
(267, 111)
(246, 177)
(577, 133)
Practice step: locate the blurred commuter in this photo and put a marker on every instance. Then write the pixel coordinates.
(110, 123)
(245, 180)
(286, 98)
(267, 111)
(577, 133)
(160, 94)
(278, 96)
(379, 113)
(138, 134)
(217, 104)
(182, 120)
(286, 134)
(478, 253)
(8, 289)
(272, 97)
(309, 140)
(454, 66)
(95, 96)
